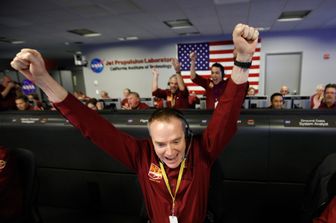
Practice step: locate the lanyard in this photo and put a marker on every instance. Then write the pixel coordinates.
(173, 100)
(179, 179)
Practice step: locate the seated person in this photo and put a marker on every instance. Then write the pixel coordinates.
(251, 91)
(81, 96)
(124, 102)
(277, 101)
(9, 90)
(22, 104)
(35, 101)
(158, 103)
(92, 104)
(177, 94)
(329, 101)
(101, 105)
(284, 90)
(11, 194)
(316, 99)
(134, 102)
(193, 100)
(104, 95)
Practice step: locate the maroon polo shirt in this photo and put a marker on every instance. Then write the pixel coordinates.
(181, 97)
(212, 91)
(139, 155)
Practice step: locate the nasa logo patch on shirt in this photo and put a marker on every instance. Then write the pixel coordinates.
(154, 173)
(2, 165)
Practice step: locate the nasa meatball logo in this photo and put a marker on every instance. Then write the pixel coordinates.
(28, 87)
(97, 65)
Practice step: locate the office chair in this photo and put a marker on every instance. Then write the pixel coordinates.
(27, 170)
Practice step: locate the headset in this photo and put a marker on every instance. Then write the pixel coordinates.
(221, 68)
(187, 131)
(173, 113)
(168, 83)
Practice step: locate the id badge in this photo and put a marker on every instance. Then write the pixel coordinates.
(216, 103)
(173, 219)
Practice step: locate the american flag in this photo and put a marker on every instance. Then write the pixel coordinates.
(209, 53)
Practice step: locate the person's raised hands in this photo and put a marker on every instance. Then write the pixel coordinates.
(193, 56)
(30, 63)
(176, 64)
(245, 39)
(155, 72)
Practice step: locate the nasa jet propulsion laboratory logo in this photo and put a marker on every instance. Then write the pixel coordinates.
(97, 65)
(154, 173)
(28, 87)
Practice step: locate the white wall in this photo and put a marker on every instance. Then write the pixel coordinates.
(137, 80)
(312, 44)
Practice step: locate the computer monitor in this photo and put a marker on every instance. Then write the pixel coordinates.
(255, 102)
(148, 101)
(287, 102)
(112, 103)
(202, 104)
(300, 102)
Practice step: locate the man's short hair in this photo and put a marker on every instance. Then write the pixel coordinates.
(91, 101)
(136, 94)
(165, 114)
(330, 85)
(220, 66)
(276, 94)
(172, 76)
(22, 97)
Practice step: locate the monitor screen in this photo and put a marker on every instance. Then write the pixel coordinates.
(148, 101)
(296, 102)
(113, 103)
(301, 102)
(255, 102)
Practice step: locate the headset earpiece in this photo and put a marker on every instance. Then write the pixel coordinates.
(187, 131)
(173, 113)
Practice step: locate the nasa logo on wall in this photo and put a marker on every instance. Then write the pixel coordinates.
(28, 87)
(97, 65)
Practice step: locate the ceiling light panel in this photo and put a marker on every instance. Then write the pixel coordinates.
(178, 24)
(84, 32)
(293, 15)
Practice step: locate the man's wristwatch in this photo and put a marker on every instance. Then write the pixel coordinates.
(244, 65)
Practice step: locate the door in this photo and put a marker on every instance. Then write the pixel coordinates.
(283, 69)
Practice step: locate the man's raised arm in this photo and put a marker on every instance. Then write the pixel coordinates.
(223, 124)
(30, 63)
(177, 66)
(245, 40)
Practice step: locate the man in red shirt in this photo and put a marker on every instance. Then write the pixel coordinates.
(9, 90)
(329, 99)
(214, 87)
(134, 102)
(177, 95)
(22, 104)
(173, 166)
(124, 101)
